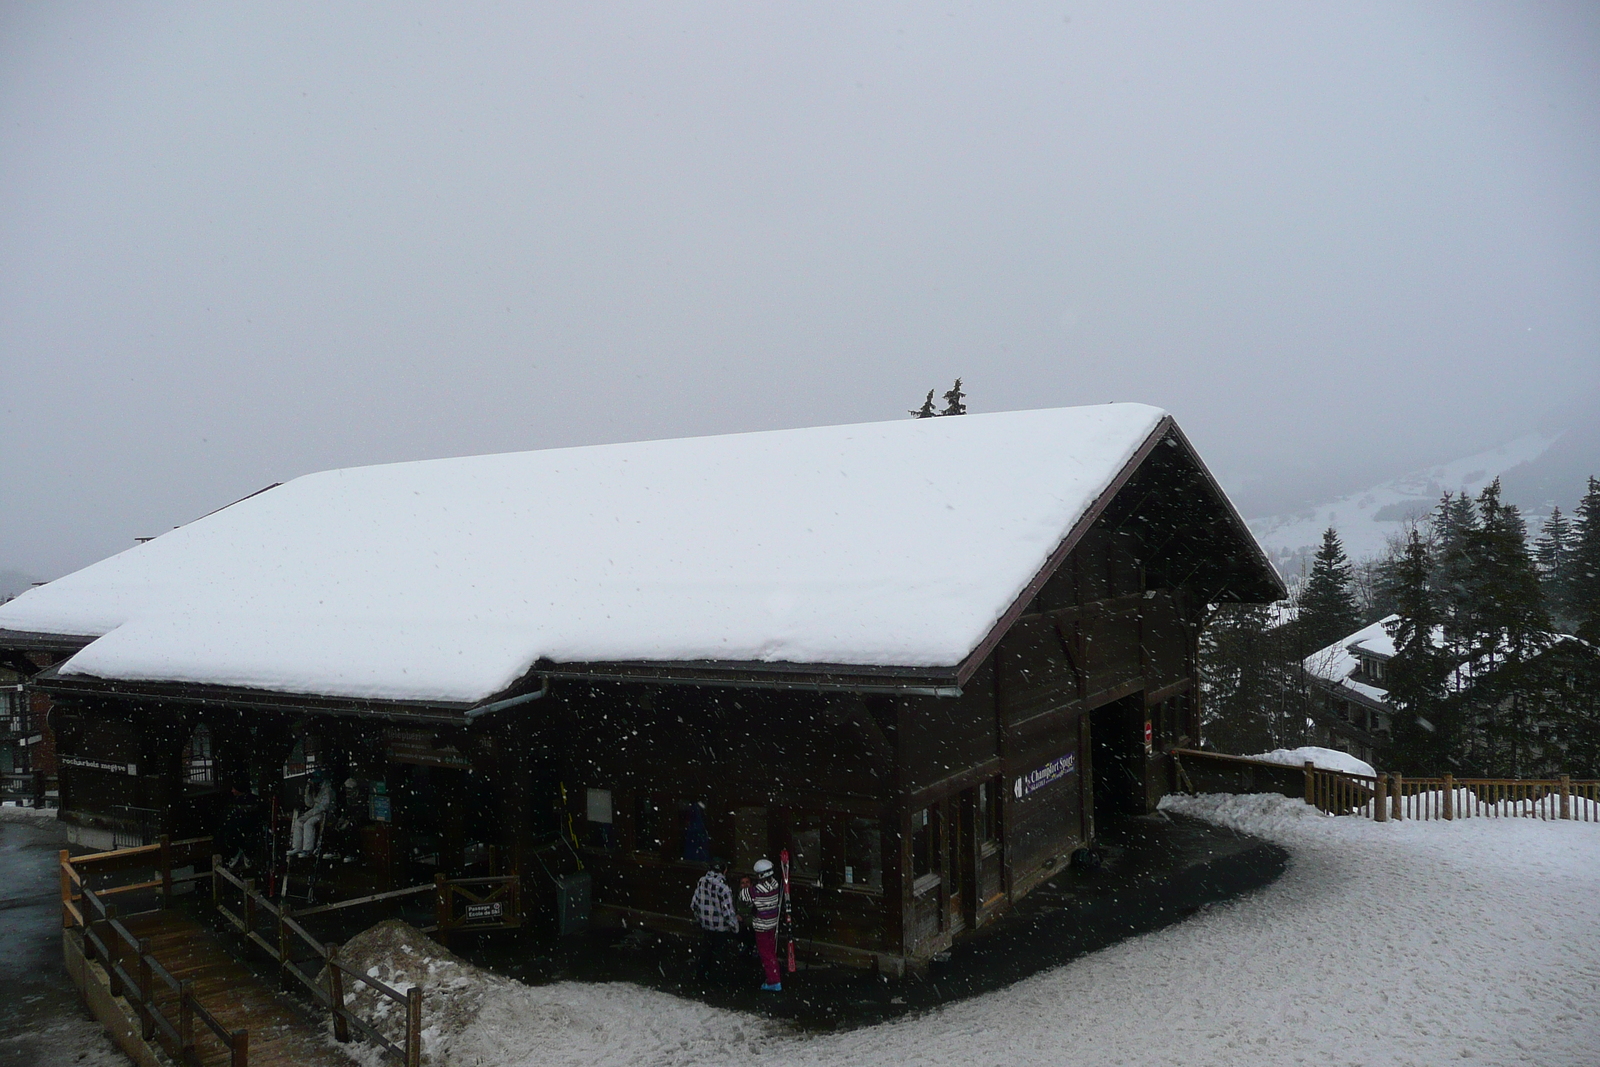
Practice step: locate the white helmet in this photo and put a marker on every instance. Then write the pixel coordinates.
(763, 867)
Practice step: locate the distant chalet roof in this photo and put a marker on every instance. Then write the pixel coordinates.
(1335, 666)
(887, 553)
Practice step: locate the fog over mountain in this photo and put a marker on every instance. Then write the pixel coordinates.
(241, 242)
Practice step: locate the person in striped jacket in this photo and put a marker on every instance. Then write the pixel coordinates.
(766, 900)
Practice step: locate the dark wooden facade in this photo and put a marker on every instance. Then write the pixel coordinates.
(916, 804)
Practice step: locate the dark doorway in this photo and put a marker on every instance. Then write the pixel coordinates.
(1116, 731)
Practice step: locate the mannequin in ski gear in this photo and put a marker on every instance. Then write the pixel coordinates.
(766, 900)
(714, 915)
(318, 800)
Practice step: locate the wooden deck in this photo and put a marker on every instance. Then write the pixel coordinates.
(279, 1033)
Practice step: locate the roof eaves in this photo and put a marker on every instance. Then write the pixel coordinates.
(54, 683)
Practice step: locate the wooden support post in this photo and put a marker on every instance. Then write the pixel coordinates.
(1380, 799)
(1398, 803)
(283, 944)
(249, 905)
(414, 1027)
(113, 982)
(66, 890)
(1566, 796)
(216, 880)
(185, 1019)
(147, 997)
(1449, 811)
(341, 1025)
(166, 871)
(239, 1050)
(1311, 782)
(441, 909)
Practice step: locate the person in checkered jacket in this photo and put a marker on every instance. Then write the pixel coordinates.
(718, 922)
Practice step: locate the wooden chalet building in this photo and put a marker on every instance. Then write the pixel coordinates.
(925, 657)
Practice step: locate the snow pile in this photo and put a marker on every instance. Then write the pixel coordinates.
(17, 813)
(1405, 944)
(896, 544)
(473, 1017)
(1325, 759)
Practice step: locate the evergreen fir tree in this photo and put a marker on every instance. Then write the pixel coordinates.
(926, 410)
(953, 401)
(1455, 522)
(1553, 553)
(1253, 698)
(1327, 604)
(1421, 730)
(1584, 585)
(1511, 627)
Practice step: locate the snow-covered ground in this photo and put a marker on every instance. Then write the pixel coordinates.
(1412, 943)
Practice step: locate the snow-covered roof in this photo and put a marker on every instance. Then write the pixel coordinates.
(1336, 665)
(1338, 660)
(897, 544)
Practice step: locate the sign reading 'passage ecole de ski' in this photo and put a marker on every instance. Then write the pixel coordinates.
(1053, 771)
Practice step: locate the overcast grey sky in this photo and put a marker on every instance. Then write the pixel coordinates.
(243, 242)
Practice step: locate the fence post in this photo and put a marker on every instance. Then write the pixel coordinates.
(66, 890)
(341, 1026)
(1449, 796)
(147, 1018)
(283, 944)
(166, 870)
(414, 1027)
(216, 880)
(1397, 791)
(441, 909)
(113, 982)
(1311, 783)
(249, 905)
(239, 1052)
(1380, 799)
(1566, 796)
(185, 1019)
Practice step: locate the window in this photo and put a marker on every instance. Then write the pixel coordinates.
(863, 854)
(924, 842)
(805, 848)
(302, 758)
(199, 768)
(988, 814)
(13, 709)
(598, 819)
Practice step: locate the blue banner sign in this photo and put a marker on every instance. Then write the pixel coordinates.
(1053, 771)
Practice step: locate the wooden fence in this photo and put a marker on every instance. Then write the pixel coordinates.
(292, 947)
(85, 909)
(1387, 796)
(492, 903)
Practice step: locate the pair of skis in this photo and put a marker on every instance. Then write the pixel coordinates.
(787, 918)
